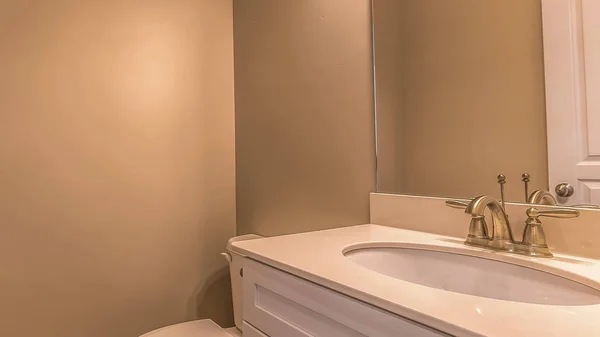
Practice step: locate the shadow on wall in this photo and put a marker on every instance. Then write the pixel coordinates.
(214, 300)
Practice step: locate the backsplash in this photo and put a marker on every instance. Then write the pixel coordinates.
(578, 236)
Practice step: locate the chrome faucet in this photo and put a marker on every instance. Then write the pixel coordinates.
(501, 237)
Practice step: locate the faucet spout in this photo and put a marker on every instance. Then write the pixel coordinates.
(501, 231)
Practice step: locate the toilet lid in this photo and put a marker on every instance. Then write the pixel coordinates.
(203, 328)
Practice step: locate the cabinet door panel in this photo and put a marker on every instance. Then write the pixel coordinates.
(281, 304)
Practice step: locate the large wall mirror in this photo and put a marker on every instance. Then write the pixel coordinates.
(460, 97)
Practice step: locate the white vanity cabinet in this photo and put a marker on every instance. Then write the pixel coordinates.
(278, 304)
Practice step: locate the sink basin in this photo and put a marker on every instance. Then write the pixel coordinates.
(475, 276)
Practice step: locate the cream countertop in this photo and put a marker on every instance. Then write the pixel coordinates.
(318, 257)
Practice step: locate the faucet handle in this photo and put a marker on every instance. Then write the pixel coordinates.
(534, 238)
(533, 213)
(457, 204)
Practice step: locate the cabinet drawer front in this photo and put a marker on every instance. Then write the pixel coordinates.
(250, 331)
(279, 316)
(283, 305)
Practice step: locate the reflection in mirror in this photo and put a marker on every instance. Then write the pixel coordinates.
(460, 97)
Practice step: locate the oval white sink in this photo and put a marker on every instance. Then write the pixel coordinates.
(474, 276)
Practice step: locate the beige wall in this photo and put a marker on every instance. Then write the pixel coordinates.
(460, 96)
(117, 165)
(304, 114)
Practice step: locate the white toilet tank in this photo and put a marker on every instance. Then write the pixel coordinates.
(235, 268)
